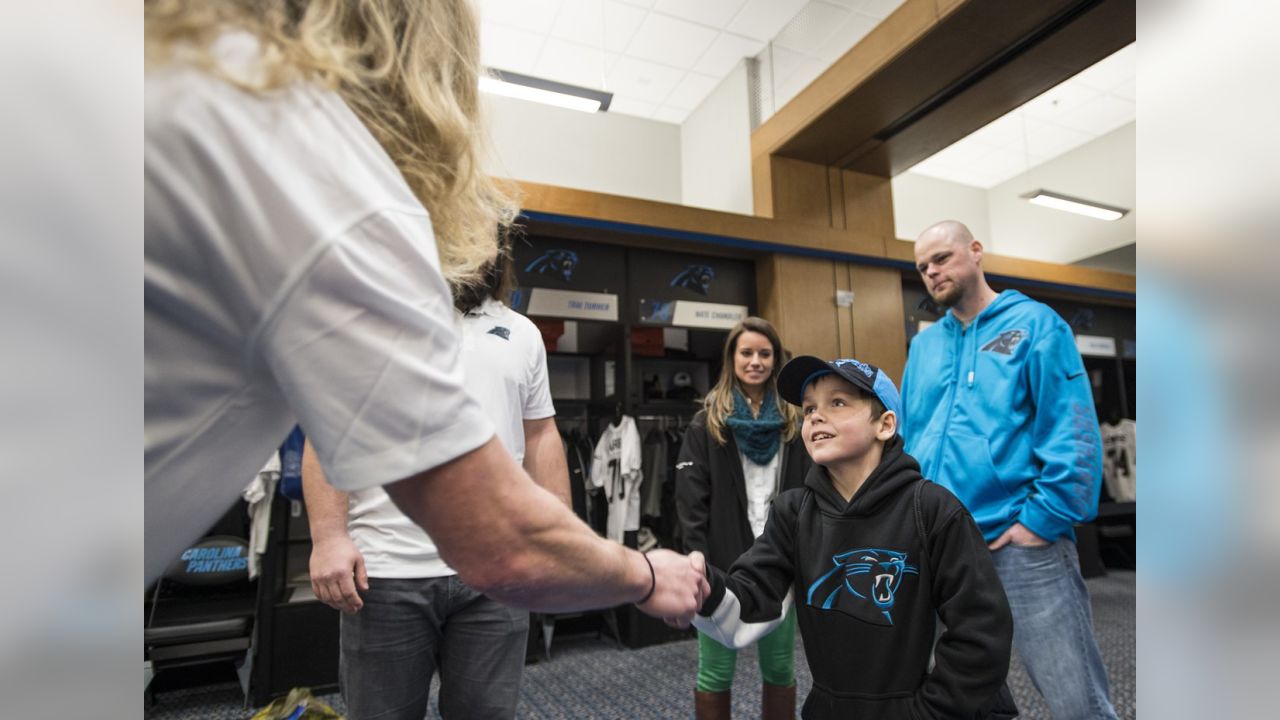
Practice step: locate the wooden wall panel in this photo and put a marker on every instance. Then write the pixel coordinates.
(806, 292)
(844, 315)
(769, 290)
(868, 203)
(879, 333)
(800, 192)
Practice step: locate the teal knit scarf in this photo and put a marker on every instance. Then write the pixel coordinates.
(758, 437)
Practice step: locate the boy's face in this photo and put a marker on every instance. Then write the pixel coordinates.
(838, 422)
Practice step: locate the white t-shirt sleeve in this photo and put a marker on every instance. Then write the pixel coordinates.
(600, 460)
(632, 456)
(363, 344)
(537, 402)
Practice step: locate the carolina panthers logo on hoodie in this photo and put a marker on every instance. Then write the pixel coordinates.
(1005, 342)
(864, 583)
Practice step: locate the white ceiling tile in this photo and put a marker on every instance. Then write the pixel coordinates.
(582, 21)
(506, 48)
(670, 41)
(812, 27)
(631, 106)
(531, 15)
(879, 8)
(798, 80)
(784, 63)
(1000, 165)
(725, 53)
(670, 115)
(964, 176)
(691, 91)
(639, 3)
(1059, 102)
(712, 13)
(1004, 131)
(854, 27)
(1114, 70)
(1128, 91)
(762, 19)
(642, 80)
(963, 153)
(573, 63)
(1100, 115)
(1046, 140)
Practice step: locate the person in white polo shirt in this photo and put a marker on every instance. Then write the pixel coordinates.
(311, 180)
(406, 613)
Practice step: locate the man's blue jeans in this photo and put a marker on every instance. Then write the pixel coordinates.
(1053, 628)
(409, 629)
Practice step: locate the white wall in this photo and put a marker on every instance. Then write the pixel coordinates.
(1103, 170)
(715, 148)
(920, 201)
(602, 152)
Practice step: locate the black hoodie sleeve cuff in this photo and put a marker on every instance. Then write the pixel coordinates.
(715, 576)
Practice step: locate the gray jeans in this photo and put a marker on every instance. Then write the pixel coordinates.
(409, 629)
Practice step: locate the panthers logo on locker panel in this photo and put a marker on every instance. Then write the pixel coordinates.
(696, 278)
(560, 263)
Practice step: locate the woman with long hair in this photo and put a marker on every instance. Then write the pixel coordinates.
(740, 451)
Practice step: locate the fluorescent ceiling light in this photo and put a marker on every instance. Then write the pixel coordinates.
(1092, 209)
(547, 92)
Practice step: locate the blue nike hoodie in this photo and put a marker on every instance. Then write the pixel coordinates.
(1001, 414)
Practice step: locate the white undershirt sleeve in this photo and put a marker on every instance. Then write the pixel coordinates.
(726, 626)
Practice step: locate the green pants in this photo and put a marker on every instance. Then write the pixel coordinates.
(777, 652)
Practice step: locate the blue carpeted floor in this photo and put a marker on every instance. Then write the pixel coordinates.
(589, 678)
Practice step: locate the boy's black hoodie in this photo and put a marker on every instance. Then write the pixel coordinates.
(867, 586)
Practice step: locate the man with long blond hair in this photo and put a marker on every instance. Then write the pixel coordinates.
(312, 185)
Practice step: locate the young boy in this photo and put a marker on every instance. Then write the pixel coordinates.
(871, 554)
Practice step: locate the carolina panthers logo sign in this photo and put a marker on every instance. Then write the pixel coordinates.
(1006, 342)
(504, 333)
(555, 262)
(864, 583)
(696, 278)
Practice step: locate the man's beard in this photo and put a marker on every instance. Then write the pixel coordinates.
(949, 296)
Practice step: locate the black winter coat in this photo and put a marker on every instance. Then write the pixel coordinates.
(711, 491)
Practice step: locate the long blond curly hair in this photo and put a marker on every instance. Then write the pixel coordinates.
(719, 401)
(407, 68)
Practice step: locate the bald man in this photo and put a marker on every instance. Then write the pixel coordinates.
(998, 409)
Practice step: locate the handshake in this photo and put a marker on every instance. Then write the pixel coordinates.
(679, 587)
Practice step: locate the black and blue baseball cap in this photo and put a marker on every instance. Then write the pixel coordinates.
(797, 374)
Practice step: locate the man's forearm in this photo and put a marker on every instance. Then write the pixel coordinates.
(544, 458)
(514, 542)
(326, 505)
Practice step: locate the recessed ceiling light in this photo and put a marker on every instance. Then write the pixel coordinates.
(547, 92)
(1058, 201)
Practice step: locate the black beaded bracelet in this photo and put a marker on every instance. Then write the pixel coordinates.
(653, 581)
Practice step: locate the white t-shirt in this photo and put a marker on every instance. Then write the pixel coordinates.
(616, 467)
(505, 366)
(762, 487)
(1120, 459)
(290, 276)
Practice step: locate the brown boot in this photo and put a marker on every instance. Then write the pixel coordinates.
(711, 705)
(778, 702)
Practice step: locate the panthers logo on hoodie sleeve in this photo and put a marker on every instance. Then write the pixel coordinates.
(864, 583)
